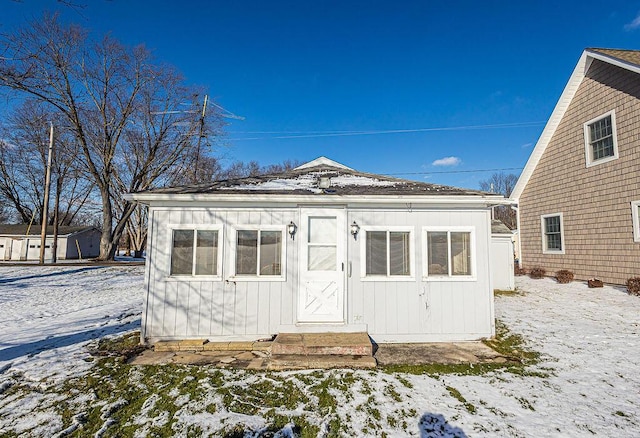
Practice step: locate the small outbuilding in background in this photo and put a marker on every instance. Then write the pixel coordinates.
(19, 243)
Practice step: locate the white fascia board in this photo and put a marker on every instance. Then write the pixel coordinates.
(147, 198)
(614, 61)
(552, 124)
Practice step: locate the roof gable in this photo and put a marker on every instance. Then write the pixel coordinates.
(627, 59)
(322, 161)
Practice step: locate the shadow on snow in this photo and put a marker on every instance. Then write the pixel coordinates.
(36, 347)
(50, 274)
(436, 426)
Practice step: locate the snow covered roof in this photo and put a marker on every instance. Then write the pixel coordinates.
(306, 179)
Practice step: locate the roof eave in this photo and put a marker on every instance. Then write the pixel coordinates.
(559, 111)
(147, 198)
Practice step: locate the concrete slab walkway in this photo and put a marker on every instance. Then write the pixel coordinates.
(219, 354)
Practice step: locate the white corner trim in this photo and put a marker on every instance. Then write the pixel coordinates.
(543, 234)
(552, 124)
(558, 112)
(587, 140)
(635, 215)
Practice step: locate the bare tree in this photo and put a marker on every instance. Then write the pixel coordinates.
(502, 184)
(24, 161)
(125, 111)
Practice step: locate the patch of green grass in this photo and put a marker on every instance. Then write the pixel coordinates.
(511, 345)
(456, 394)
(506, 293)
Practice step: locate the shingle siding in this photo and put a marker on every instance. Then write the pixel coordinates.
(595, 201)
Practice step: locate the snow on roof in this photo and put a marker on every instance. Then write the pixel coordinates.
(308, 182)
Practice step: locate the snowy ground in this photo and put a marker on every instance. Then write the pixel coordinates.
(587, 382)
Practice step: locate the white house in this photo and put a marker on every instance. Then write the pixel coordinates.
(20, 242)
(319, 248)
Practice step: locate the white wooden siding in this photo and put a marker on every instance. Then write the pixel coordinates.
(394, 311)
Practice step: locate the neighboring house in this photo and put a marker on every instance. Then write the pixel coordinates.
(579, 194)
(73, 242)
(502, 256)
(319, 248)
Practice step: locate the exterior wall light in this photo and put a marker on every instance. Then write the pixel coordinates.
(354, 229)
(324, 182)
(291, 229)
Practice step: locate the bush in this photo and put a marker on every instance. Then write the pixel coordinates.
(633, 286)
(517, 270)
(595, 282)
(537, 273)
(564, 276)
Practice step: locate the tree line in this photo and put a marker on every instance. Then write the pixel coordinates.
(123, 122)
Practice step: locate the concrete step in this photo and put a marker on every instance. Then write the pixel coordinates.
(282, 362)
(322, 344)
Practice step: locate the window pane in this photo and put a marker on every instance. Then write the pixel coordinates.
(247, 252)
(182, 252)
(552, 233)
(376, 253)
(399, 253)
(207, 252)
(322, 258)
(461, 253)
(270, 252)
(322, 230)
(437, 249)
(601, 138)
(552, 224)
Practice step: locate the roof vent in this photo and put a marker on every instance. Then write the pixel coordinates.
(324, 182)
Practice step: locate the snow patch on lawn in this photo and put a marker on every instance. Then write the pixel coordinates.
(586, 383)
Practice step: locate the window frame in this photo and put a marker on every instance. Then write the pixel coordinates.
(545, 249)
(635, 216)
(389, 229)
(195, 228)
(258, 277)
(449, 276)
(588, 150)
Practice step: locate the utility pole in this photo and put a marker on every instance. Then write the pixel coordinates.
(45, 207)
(201, 134)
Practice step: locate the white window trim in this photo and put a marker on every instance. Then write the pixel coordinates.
(363, 251)
(449, 276)
(545, 250)
(587, 145)
(192, 276)
(257, 276)
(635, 206)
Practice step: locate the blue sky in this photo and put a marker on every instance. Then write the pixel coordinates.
(301, 72)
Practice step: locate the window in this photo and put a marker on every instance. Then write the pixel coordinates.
(449, 253)
(195, 252)
(388, 252)
(552, 240)
(635, 215)
(259, 253)
(600, 139)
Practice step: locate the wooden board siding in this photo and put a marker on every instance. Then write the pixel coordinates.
(400, 311)
(594, 201)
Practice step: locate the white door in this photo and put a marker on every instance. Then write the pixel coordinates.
(322, 240)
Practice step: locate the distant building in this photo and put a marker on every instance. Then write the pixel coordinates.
(73, 242)
(579, 194)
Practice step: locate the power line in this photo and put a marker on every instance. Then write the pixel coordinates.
(455, 171)
(318, 134)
